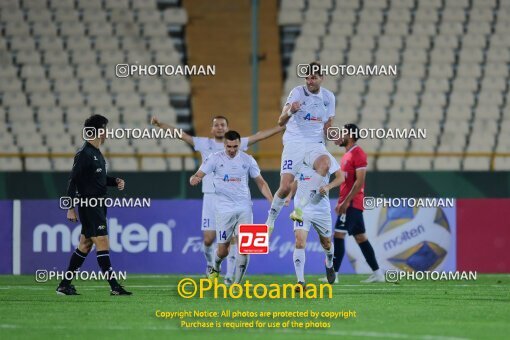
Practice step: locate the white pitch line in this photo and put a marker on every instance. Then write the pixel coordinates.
(4, 326)
(376, 334)
(363, 334)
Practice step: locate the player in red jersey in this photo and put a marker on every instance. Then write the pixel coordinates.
(350, 203)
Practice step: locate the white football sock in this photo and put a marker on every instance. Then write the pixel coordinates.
(329, 255)
(299, 264)
(276, 207)
(231, 260)
(217, 262)
(241, 266)
(209, 254)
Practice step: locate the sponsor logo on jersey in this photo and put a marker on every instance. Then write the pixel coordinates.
(311, 117)
(304, 178)
(227, 178)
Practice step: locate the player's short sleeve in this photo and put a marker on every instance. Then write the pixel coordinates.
(293, 96)
(200, 143)
(244, 144)
(209, 164)
(360, 160)
(331, 102)
(334, 166)
(254, 168)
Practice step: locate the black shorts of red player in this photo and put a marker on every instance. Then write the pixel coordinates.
(352, 222)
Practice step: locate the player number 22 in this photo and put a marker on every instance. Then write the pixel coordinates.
(287, 164)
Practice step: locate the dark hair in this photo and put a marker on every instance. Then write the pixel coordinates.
(96, 121)
(315, 68)
(352, 130)
(232, 135)
(220, 117)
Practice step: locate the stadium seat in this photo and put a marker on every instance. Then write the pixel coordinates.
(123, 163)
(389, 163)
(418, 163)
(154, 164)
(175, 16)
(11, 163)
(50, 46)
(476, 164)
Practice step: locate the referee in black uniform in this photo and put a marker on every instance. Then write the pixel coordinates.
(89, 180)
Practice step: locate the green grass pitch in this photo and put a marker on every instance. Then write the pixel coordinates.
(408, 310)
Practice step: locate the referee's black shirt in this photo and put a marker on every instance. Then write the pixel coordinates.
(88, 176)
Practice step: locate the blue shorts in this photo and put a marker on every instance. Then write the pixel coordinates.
(352, 222)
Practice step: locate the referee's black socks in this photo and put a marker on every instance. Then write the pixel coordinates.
(75, 263)
(103, 259)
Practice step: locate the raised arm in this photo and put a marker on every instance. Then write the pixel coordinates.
(287, 112)
(264, 188)
(185, 137)
(261, 135)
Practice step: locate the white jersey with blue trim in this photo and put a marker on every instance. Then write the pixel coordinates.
(230, 179)
(206, 147)
(307, 124)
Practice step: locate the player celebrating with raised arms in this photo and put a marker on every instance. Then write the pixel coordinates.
(230, 170)
(207, 146)
(316, 214)
(308, 112)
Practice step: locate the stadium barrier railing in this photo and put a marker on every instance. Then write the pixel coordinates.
(256, 155)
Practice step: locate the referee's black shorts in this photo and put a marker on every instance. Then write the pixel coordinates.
(353, 222)
(93, 221)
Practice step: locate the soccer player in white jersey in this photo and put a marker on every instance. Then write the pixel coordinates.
(307, 115)
(316, 214)
(207, 146)
(230, 170)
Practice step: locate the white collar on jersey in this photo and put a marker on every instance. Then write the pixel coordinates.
(308, 93)
(232, 158)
